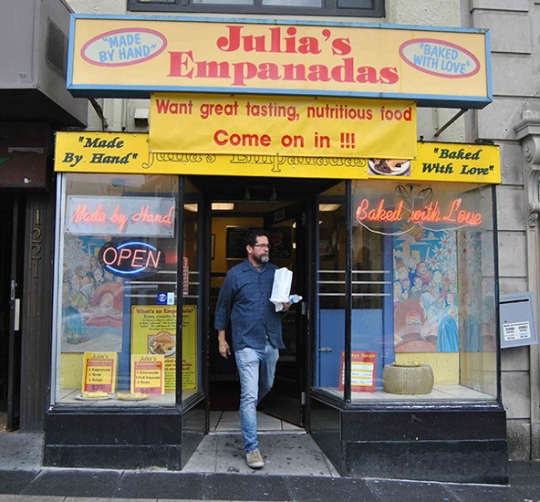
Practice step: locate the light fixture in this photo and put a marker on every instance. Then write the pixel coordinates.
(222, 206)
(141, 117)
(329, 207)
(273, 195)
(247, 195)
(191, 207)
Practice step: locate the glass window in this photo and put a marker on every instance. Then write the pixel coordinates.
(191, 329)
(332, 233)
(117, 273)
(423, 319)
(359, 8)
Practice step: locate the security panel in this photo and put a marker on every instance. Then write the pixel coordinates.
(518, 323)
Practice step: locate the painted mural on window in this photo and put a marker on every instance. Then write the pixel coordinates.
(92, 299)
(425, 286)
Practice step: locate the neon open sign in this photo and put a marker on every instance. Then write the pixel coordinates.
(131, 258)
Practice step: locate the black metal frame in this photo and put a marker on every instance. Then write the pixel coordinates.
(373, 8)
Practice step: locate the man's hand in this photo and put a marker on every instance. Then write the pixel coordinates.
(224, 348)
(286, 306)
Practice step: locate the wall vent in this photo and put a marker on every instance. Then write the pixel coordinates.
(57, 49)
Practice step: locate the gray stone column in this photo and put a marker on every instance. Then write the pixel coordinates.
(528, 132)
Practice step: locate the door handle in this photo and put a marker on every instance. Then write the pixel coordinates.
(17, 314)
(325, 349)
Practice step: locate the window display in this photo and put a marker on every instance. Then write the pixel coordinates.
(422, 285)
(116, 327)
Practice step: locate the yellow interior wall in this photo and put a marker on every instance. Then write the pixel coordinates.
(445, 365)
(71, 370)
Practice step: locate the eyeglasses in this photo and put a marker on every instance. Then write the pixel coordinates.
(267, 246)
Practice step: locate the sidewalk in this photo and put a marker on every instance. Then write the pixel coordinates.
(23, 479)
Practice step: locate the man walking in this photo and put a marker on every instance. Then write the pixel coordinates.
(256, 333)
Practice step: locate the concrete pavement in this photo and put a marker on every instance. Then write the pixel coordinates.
(22, 478)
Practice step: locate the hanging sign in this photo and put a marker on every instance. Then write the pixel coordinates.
(147, 374)
(132, 258)
(470, 163)
(99, 371)
(117, 216)
(266, 125)
(125, 54)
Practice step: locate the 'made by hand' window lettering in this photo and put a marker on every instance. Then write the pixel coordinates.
(356, 8)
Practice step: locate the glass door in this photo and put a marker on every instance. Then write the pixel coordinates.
(286, 227)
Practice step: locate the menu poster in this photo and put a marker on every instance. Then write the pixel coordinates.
(154, 332)
(99, 371)
(148, 374)
(362, 371)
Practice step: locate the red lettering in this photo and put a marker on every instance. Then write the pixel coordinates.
(106, 259)
(380, 213)
(460, 216)
(150, 258)
(81, 213)
(125, 254)
(179, 63)
(232, 43)
(430, 213)
(222, 137)
(137, 260)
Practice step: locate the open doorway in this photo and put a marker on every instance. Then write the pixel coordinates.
(230, 224)
(279, 206)
(11, 270)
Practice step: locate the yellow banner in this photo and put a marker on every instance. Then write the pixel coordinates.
(446, 67)
(435, 162)
(444, 162)
(265, 125)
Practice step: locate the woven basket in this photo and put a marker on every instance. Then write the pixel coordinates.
(411, 380)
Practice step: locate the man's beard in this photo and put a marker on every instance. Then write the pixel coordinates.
(263, 258)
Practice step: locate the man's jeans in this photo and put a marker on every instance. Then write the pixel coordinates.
(256, 369)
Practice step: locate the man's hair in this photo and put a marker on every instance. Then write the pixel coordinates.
(251, 237)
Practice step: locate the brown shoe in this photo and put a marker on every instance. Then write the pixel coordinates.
(254, 459)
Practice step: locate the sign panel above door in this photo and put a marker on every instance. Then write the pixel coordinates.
(120, 56)
(282, 125)
(128, 153)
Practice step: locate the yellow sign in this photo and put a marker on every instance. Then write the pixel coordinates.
(264, 125)
(458, 162)
(444, 162)
(101, 151)
(153, 331)
(147, 374)
(446, 67)
(99, 371)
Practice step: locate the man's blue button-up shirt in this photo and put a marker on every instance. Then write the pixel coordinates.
(245, 300)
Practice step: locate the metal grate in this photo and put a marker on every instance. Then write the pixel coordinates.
(57, 49)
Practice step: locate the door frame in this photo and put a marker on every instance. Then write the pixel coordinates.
(14, 332)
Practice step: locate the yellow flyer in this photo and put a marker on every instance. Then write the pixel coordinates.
(99, 371)
(154, 332)
(148, 374)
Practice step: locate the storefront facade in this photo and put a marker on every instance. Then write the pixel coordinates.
(34, 102)
(392, 360)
